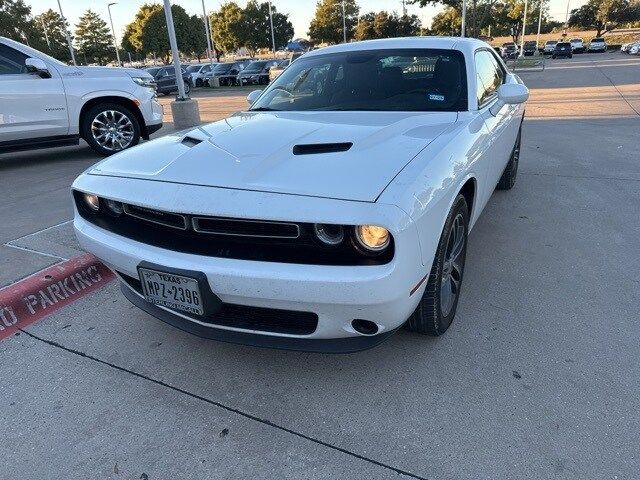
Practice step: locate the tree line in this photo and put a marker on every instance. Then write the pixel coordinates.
(234, 28)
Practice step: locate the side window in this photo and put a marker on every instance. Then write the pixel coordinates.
(11, 61)
(489, 76)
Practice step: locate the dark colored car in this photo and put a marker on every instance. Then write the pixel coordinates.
(227, 73)
(509, 50)
(530, 48)
(256, 73)
(562, 49)
(165, 78)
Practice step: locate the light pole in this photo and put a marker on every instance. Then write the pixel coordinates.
(539, 24)
(273, 37)
(174, 50)
(115, 42)
(464, 18)
(524, 29)
(344, 23)
(207, 32)
(66, 33)
(46, 35)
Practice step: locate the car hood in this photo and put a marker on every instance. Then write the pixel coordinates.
(255, 151)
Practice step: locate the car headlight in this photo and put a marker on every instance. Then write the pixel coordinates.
(91, 201)
(372, 238)
(145, 81)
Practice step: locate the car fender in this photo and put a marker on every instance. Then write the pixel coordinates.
(427, 187)
(74, 112)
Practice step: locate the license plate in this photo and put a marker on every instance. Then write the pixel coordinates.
(172, 291)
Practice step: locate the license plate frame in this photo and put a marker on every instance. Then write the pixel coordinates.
(163, 294)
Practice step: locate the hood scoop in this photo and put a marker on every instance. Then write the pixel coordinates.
(190, 141)
(316, 148)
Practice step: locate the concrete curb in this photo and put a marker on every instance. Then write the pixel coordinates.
(48, 290)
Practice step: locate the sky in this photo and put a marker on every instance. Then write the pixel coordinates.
(300, 11)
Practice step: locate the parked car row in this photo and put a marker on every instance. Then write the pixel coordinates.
(564, 48)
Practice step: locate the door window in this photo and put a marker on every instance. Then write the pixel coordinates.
(489, 75)
(12, 62)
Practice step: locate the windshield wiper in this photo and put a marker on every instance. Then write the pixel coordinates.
(264, 109)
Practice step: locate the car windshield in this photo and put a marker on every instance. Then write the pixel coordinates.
(597, 40)
(222, 68)
(153, 71)
(564, 44)
(575, 40)
(377, 80)
(194, 68)
(255, 67)
(551, 42)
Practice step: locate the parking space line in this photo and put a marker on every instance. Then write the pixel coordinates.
(41, 230)
(25, 249)
(37, 296)
(227, 408)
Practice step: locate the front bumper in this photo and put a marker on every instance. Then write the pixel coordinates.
(336, 294)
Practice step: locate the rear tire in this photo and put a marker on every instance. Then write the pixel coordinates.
(437, 308)
(109, 128)
(508, 178)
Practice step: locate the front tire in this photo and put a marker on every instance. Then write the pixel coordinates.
(508, 178)
(199, 82)
(439, 302)
(109, 128)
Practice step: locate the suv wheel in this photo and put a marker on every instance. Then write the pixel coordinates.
(109, 128)
(439, 302)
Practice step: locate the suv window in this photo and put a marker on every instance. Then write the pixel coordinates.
(11, 61)
(489, 74)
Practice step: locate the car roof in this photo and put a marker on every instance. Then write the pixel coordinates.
(443, 43)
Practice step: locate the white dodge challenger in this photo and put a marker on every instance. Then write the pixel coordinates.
(331, 212)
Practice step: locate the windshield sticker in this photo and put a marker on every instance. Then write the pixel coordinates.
(436, 98)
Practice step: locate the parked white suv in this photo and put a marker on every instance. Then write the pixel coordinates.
(45, 103)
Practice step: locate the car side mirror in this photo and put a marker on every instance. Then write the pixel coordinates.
(510, 94)
(253, 96)
(35, 65)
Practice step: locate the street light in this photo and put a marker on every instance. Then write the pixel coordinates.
(207, 32)
(174, 50)
(539, 24)
(66, 33)
(524, 29)
(273, 37)
(115, 42)
(344, 23)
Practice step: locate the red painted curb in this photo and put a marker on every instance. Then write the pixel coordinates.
(48, 290)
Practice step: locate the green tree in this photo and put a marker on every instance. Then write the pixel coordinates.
(57, 41)
(93, 38)
(154, 36)
(326, 25)
(604, 16)
(227, 27)
(132, 38)
(386, 25)
(15, 19)
(256, 28)
(447, 22)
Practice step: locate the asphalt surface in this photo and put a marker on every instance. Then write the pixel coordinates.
(538, 377)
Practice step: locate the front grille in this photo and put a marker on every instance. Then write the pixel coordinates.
(250, 318)
(241, 239)
(245, 228)
(167, 219)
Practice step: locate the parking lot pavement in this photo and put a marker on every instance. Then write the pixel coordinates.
(537, 378)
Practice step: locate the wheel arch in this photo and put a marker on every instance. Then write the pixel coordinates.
(119, 100)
